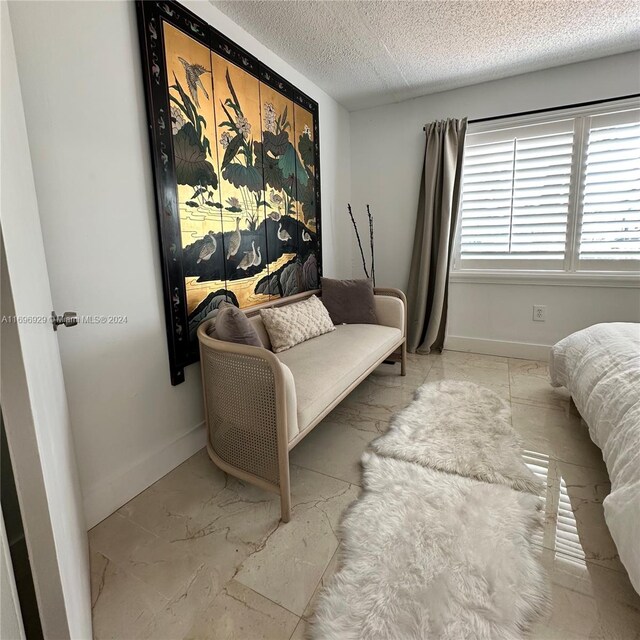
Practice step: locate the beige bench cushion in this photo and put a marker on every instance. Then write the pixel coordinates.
(389, 311)
(324, 367)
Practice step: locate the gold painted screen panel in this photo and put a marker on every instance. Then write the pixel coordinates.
(244, 174)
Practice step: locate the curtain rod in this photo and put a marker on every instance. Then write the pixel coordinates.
(565, 106)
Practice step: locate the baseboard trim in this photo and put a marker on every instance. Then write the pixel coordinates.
(524, 350)
(101, 501)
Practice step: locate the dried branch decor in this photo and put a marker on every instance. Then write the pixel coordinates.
(364, 262)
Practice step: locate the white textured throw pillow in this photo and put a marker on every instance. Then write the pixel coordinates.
(294, 323)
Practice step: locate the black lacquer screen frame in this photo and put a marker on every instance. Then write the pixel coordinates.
(151, 16)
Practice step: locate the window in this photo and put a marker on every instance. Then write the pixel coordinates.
(561, 195)
(610, 203)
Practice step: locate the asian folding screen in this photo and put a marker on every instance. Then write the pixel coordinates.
(236, 163)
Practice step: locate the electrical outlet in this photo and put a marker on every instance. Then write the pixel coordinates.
(539, 312)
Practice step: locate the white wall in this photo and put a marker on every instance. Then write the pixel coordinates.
(387, 147)
(497, 318)
(82, 86)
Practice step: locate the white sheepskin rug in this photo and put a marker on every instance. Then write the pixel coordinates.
(461, 428)
(439, 544)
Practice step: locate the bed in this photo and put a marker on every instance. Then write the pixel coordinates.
(600, 366)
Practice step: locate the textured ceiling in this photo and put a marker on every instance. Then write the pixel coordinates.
(370, 53)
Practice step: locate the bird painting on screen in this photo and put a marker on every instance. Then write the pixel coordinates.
(193, 73)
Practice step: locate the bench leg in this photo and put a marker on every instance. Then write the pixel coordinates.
(403, 362)
(285, 504)
(285, 488)
(285, 507)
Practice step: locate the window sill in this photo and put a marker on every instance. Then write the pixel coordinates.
(625, 280)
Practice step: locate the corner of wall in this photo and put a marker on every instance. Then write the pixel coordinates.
(109, 494)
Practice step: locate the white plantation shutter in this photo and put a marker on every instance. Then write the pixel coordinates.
(610, 225)
(515, 196)
(486, 199)
(561, 195)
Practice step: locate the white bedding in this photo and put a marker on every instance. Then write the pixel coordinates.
(600, 366)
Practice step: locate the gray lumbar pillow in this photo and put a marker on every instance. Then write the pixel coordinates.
(232, 325)
(349, 301)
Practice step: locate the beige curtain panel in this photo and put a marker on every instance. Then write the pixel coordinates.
(438, 204)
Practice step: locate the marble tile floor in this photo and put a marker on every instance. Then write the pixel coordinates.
(200, 555)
